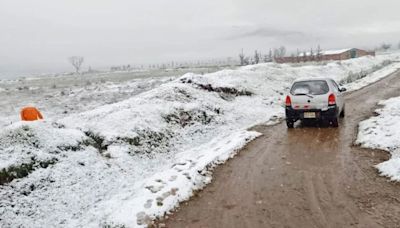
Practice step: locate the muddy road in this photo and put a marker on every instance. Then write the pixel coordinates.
(303, 177)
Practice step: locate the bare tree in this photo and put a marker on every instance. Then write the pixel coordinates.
(76, 62)
(270, 55)
(242, 58)
(319, 53)
(282, 51)
(276, 54)
(311, 54)
(256, 57)
(279, 52)
(246, 61)
(265, 58)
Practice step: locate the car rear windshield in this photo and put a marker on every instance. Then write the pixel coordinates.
(315, 87)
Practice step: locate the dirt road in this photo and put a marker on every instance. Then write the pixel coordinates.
(302, 177)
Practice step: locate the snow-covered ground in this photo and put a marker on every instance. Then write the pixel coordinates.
(60, 101)
(126, 162)
(382, 132)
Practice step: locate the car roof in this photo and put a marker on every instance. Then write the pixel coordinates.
(312, 79)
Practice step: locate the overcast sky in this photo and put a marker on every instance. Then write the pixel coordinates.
(38, 36)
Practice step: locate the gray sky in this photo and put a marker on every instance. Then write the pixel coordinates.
(38, 36)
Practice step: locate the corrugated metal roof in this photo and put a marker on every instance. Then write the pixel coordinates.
(334, 52)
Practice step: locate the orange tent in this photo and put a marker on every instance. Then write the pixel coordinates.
(30, 114)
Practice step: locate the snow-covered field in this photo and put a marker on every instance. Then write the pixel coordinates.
(382, 132)
(124, 160)
(58, 102)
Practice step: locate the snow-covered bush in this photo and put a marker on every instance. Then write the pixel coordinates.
(25, 147)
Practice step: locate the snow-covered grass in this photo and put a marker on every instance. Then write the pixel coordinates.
(124, 163)
(58, 101)
(383, 132)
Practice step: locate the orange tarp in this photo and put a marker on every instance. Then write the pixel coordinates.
(30, 114)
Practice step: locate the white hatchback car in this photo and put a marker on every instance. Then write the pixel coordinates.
(315, 99)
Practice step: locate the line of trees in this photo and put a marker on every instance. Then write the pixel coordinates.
(258, 57)
(195, 64)
(277, 53)
(121, 68)
(77, 64)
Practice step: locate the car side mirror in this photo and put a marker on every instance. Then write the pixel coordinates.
(342, 89)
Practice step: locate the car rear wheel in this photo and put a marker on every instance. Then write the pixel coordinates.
(289, 123)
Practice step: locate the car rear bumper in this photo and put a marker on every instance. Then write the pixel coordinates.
(298, 114)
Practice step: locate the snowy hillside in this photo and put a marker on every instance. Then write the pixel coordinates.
(382, 132)
(127, 162)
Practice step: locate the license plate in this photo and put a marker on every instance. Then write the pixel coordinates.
(309, 115)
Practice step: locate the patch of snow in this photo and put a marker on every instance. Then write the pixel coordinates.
(382, 132)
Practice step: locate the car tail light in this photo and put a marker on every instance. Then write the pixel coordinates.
(332, 99)
(288, 101)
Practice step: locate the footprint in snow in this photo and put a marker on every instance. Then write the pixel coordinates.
(178, 169)
(165, 195)
(184, 165)
(179, 164)
(148, 203)
(154, 189)
(159, 201)
(174, 190)
(143, 219)
(187, 176)
(173, 178)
